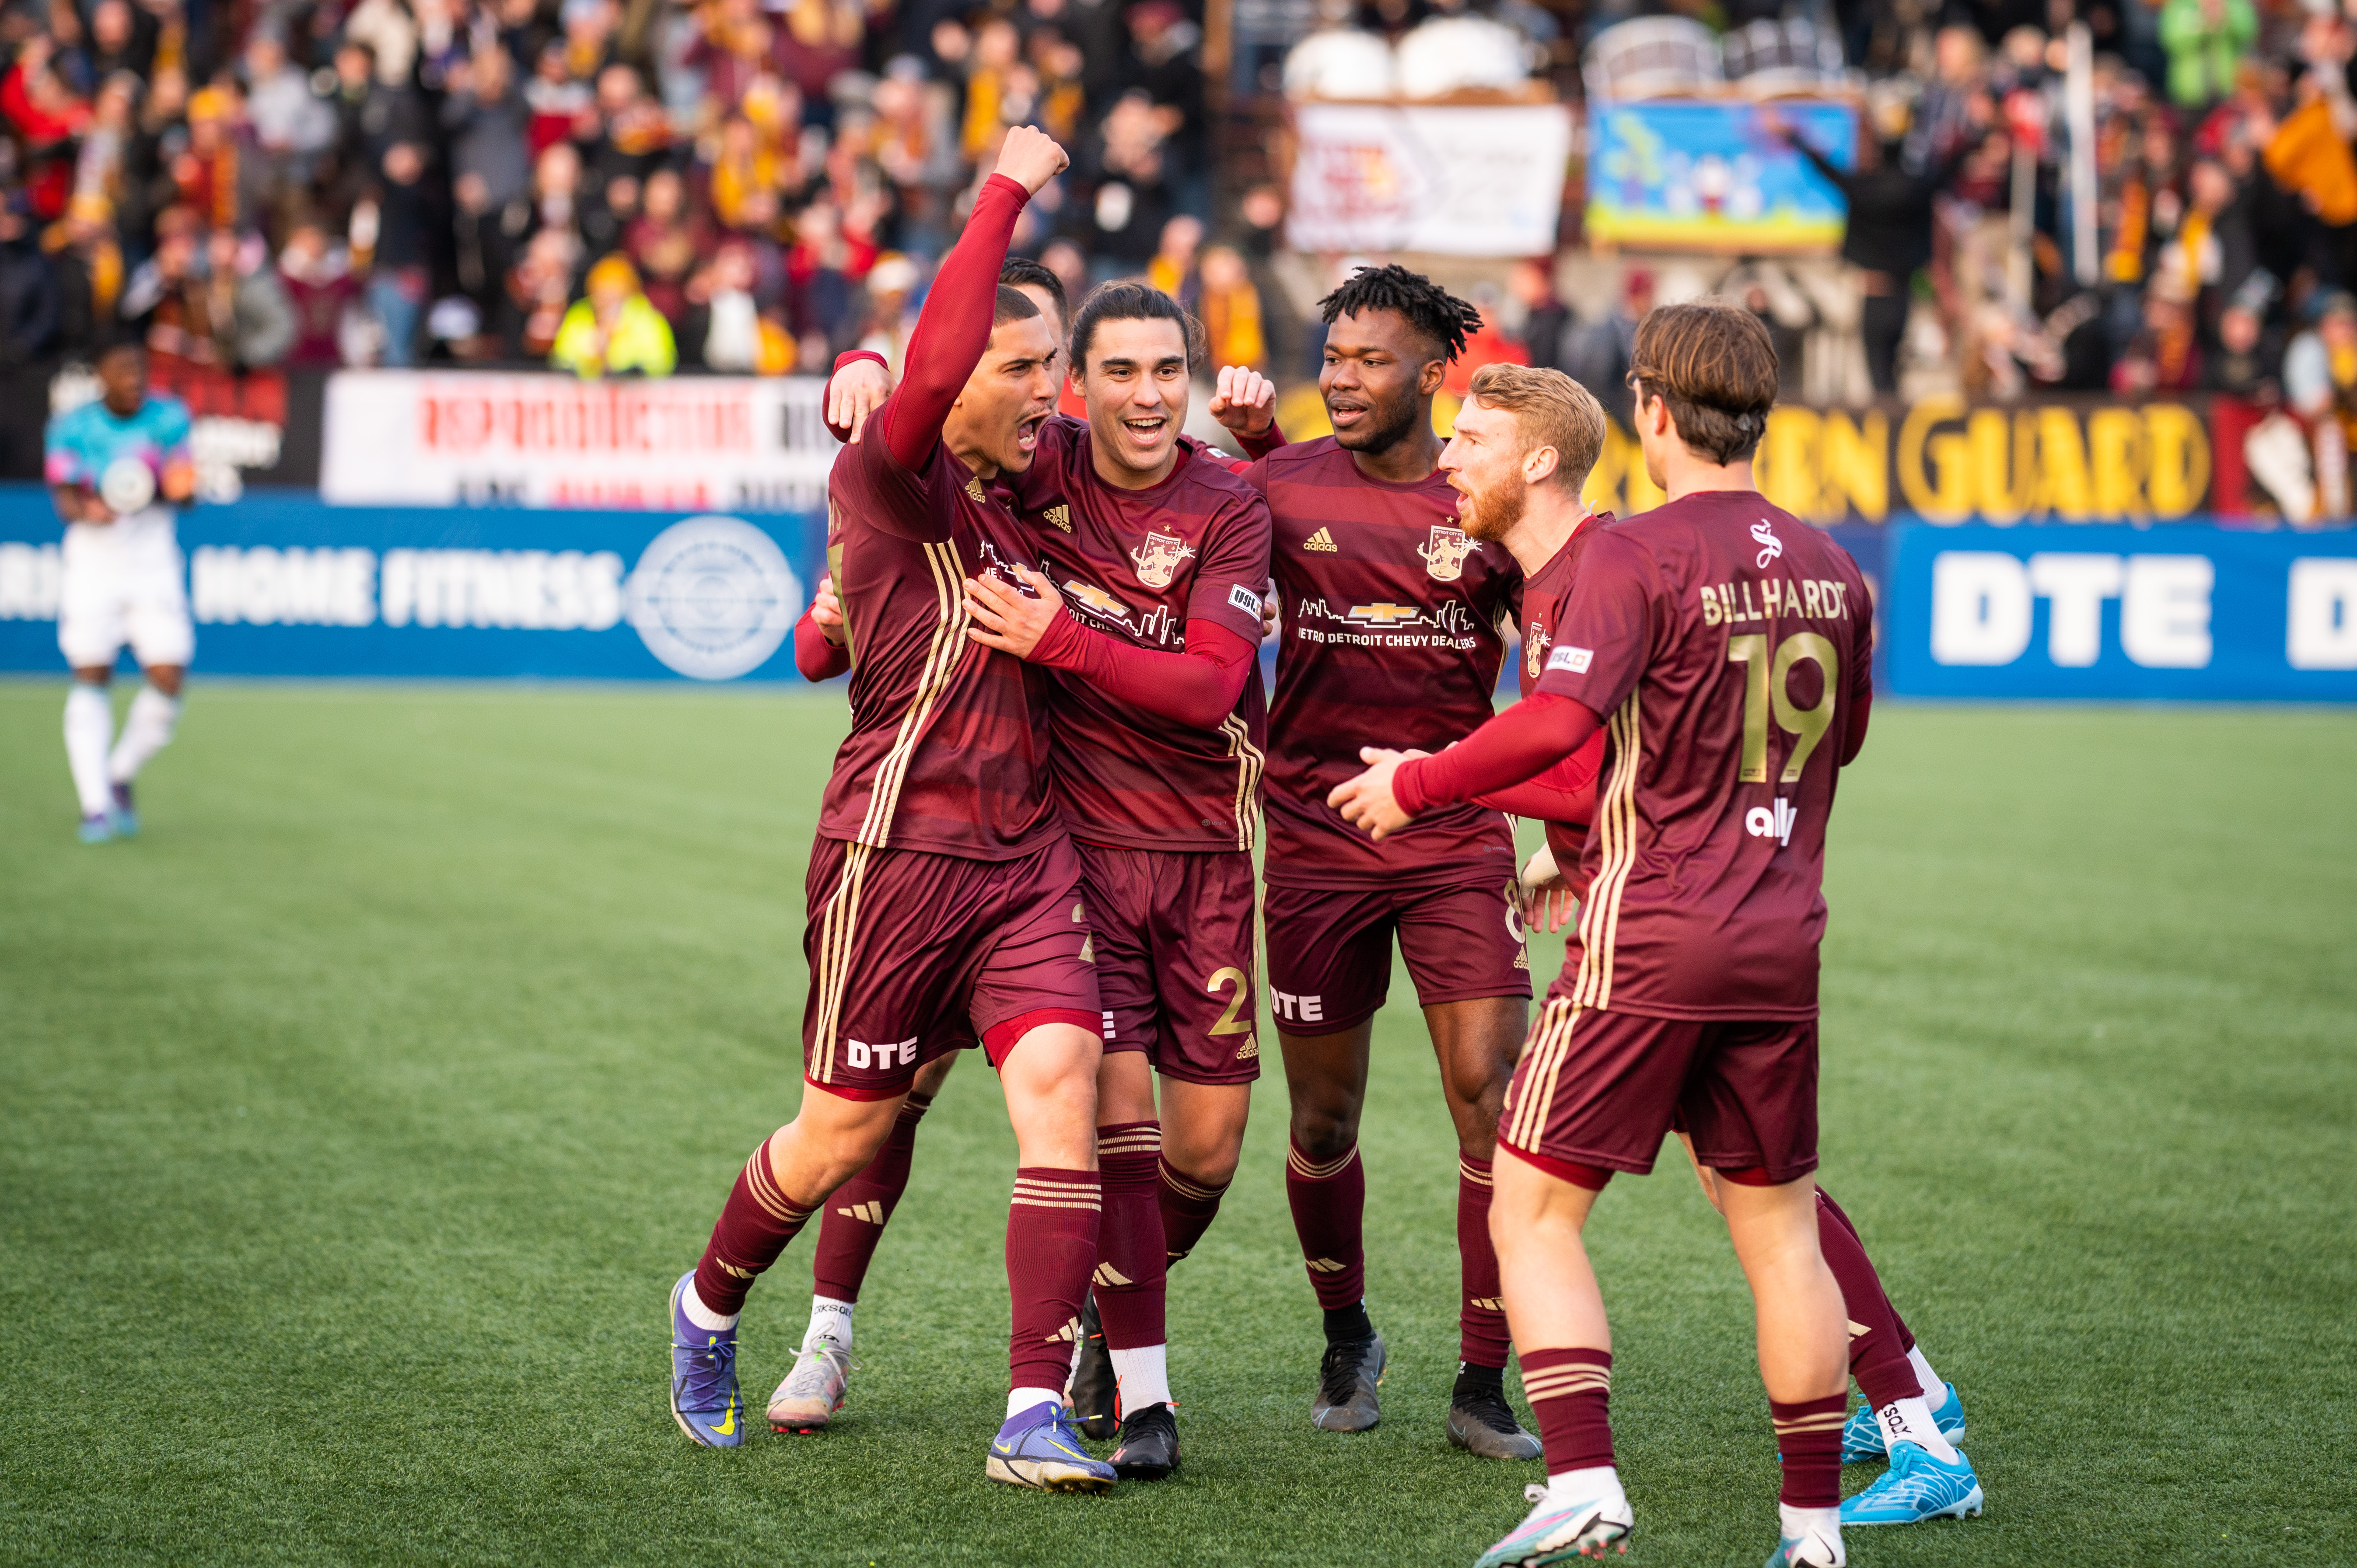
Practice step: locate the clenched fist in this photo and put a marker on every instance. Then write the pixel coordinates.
(1030, 157)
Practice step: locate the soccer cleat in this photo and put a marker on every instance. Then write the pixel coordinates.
(1039, 1448)
(1148, 1449)
(1815, 1549)
(96, 828)
(122, 814)
(1862, 1438)
(813, 1390)
(702, 1377)
(1558, 1532)
(1347, 1381)
(1093, 1392)
(1485, 1427)
(1917, 1486)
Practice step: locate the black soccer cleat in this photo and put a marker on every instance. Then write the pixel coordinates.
(1484, 1426)
(1347, 1381)
(1092, 1393)
(1148, 1449)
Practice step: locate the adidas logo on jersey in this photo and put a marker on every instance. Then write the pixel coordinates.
(1321, 540)
(974, 489)
(871, 1212)
(1059, 516)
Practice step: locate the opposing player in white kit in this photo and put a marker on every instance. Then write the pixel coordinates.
(116, 466)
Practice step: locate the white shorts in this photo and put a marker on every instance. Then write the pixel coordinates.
(125, 582)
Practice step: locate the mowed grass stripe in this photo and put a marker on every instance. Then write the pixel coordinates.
(359, 1115)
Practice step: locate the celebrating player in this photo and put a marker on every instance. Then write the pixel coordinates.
(945, 901)
(1392, 617)
(808, 1396)
(1729, 644)
(115, 466)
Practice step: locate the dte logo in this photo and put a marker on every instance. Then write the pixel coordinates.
(1299, 1009)
(883, 1053)
(1762, 823)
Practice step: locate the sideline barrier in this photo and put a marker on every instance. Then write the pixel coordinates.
(287, 584)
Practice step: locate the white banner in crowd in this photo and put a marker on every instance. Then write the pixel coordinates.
(686, 443)
(1461, 182)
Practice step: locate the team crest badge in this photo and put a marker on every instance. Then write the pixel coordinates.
(1444, 558)
(1157, 559)
(1534, 648)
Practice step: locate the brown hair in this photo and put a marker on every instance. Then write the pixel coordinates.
(1713, 364)
(1550, 409)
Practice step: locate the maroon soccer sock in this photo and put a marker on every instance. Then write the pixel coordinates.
(1189, 1207)
(1826, 1206)
(1330, 1200)
(1132, 1273)
(1570, 1392)
(1481, 1321)
(853, 1225)
(1877, 1359)
(1808, 1433)
(1051, 1245)
(755, 1225)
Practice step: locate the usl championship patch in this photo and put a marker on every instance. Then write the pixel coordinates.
(1242, 598)
(1574, 660)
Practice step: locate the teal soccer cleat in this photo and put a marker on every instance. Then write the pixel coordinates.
(1040, 1449)
(97, 828)
(1862, 1438)
(1917, 1486)
(124, 815)
(704, 1377)
(1558, 1532)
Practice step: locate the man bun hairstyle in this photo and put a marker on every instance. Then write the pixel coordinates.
(1713, 364)
(1135, 302)
(1013, 305)
(1439, 315)
(1550, 409)
(1022, 272)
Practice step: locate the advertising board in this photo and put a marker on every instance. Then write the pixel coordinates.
(1476, 181)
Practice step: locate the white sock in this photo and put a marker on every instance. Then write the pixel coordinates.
(1799, 1524)
(830, 1317)
(1909, 1421)
(1935, 1392)
(1143, 1376)
(703, 1317)
(146, 730)
(1596, 1483)
(89, 729)
(1020, 1400)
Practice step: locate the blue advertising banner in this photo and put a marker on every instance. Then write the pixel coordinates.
(2183, 613)
(1714, 175)
(285, 584)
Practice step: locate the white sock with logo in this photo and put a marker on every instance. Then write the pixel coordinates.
(1934, 1391)
(1143, 1375)
(830, 1318)
(89, 729)
(1597, 1483)
(1909, 1421)
(1020, 1400)
(703, 1317)
(1824, 1524)
(146, 730)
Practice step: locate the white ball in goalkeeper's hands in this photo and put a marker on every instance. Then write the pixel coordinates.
(128, 486)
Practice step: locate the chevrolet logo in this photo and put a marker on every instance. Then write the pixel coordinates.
(1387, 614)
(1096, 598)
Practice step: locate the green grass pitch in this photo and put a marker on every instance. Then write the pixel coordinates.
(355, 1119)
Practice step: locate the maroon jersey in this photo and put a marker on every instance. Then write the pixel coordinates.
(1546, 594)
(1727, 647)
(1138, 566)
(1392, 617)
(948, 749)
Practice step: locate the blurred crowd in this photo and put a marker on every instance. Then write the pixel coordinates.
(607, 186)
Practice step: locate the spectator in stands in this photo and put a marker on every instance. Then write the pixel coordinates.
(1229, 308)
(2206, 39)
(615, 330)
(1546, 320)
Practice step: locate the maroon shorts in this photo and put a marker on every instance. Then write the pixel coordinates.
(1329, 948)
(1602, 1090)
(1175, 963)
(913, 955)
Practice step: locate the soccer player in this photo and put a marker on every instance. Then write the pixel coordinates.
(115, 466)
(944, 896)
(1729, 644)
(808, 1396)
(1160, 553)
(1392, 627)
(1523, 447)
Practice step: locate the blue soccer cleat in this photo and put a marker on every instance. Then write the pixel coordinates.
(96, 828)
(1556, 1531)
(1917, 1486)
(704, 1377)
(1040, 1448)
(123, 814)
(1862, 1438)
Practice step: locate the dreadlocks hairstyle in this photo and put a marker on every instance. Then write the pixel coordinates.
(1432, 309)
(1713, 364)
